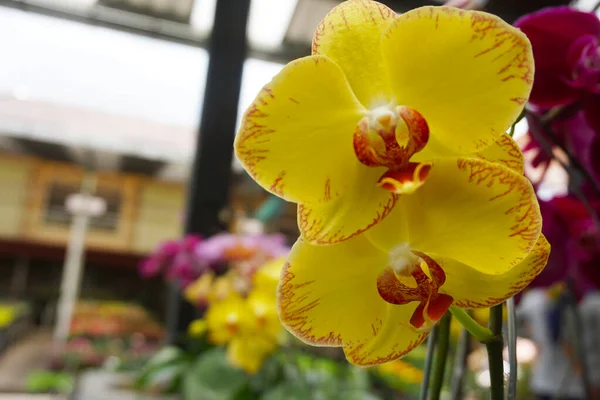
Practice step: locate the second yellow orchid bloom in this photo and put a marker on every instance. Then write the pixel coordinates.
(477, 243)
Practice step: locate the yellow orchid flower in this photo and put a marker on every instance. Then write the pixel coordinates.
(199, 291)
(402, 370)
(249, 353)
(229, 318)
(266, 277)
(250, 327)
(378, 304)
(366, 118)
(197, 328)
(208, 288)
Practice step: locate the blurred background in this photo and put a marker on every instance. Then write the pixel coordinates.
(117, 119)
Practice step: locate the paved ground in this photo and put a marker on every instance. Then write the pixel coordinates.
(100, 385)
(31, 397)
(34, 352)
(29, 353)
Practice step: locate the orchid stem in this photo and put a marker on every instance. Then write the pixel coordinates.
(481, 333)
(439, 366)
(512, 348)
(428, 362)
(494, 349)
(585, 375)
(460, 365)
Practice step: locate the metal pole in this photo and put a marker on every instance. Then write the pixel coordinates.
(512, 349)
(69, 288)
(18, 284)
(208, 190)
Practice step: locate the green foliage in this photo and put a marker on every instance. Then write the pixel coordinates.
(288, 373)
(215, 378)
(164, 372)
(307, 377)
(283, 376)
(49, 382)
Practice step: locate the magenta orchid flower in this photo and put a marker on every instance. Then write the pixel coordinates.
(575, 243)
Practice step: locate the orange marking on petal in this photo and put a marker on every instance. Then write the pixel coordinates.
(519, 100)
(484, 25)
(294, 100)
(293, 311)
(313, 228)
(525, 212)
(540, 256)
(278, 183)
(359, 357)
(327, 196)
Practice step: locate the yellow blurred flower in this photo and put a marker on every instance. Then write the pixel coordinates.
(391, 137)
(402, 370)
(249, 326)
(199, 291)
(208, 288)
(197, 328)
(267, 276)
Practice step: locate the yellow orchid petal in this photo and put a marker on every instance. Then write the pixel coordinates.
(267, 276)
(228, 318)
(328, 297)
(249, 352)
(390, 341)
(264, 307)
(222, 287)
(472, 288)
(476, 212)
(198, 292)
(506, 152)
(351, 36)
(197, 328)
(362, 206)
(467, 72)
(296, 138)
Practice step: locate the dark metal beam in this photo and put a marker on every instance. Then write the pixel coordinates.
(208, 191)
(509, 10)
(149, 27)
(46, 150)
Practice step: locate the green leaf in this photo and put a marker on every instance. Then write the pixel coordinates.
(213, 378)
(48, 381)
(269, 375)
(166, 355)
(358, 378)
(289, 390)
(167, 378)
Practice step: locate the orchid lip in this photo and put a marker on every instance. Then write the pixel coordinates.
(428, 278)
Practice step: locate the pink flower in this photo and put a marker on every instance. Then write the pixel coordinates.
(575, 243)
(565, 50)
(159, 259)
